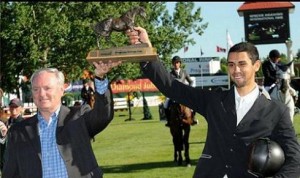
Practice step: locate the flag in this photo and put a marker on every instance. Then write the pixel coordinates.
(201, 52)
(219, 49)
(185, 49)
(229, 41)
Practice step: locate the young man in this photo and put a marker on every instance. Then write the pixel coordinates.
(236, 118)
(56, 141)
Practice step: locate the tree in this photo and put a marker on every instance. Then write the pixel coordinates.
(58, 34)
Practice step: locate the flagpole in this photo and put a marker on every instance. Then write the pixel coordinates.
(226, 40)
(200, 51)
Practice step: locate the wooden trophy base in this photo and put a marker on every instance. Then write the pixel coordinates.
(132, 53)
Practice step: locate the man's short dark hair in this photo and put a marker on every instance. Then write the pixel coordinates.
(246, 47)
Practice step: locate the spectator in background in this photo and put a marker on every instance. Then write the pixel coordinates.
(86, 92)
(3, 132)
(16, 110)
(270, 68)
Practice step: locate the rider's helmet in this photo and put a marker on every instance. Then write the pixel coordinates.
(175, 59)
(266, 157)
(274, 54)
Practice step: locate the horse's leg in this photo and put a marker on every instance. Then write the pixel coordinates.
(186, 135)
(180, 144)
(179, 158)
(175, 149)
(173, 133)
(175, 154)
(291, 106)
(98, 42)
(177, 142)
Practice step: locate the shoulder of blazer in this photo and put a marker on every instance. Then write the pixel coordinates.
(266, 63)
(184, 72)
(67, 114)
(31, 122)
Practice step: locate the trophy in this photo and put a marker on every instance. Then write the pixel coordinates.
(131, 53)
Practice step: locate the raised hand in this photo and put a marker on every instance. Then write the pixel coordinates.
(138, 35)
(101, 68)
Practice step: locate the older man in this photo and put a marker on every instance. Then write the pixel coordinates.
(56, 141)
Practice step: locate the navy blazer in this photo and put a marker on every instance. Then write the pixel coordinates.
(227, 144)
(75, 128)
(269, 73)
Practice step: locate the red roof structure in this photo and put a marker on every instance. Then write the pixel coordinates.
(254, 6)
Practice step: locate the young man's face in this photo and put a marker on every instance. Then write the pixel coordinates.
(241, 70)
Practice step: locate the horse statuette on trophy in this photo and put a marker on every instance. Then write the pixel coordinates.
(131, 53)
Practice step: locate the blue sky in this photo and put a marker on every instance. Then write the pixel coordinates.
(222, 16)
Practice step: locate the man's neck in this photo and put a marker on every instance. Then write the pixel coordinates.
(243, 91)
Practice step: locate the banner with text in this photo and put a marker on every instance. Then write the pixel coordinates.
(124, 86)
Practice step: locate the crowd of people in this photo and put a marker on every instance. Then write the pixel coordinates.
(55, 142)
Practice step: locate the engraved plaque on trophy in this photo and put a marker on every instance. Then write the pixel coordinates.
(131, 53)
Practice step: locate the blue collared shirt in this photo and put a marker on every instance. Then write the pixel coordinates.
(52, 163)
(101, 85)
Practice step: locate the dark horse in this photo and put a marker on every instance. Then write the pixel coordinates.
(180, 118)
(121, 24)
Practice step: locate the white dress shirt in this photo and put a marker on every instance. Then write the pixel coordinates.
(243, 104)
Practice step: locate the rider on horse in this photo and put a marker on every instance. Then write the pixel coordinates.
(87, 92)
(270, 68)
(182, 76)
(277, 80)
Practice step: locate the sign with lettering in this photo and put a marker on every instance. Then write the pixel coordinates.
(124, 86)
(218, 80)
(202, 65)
(266, 27)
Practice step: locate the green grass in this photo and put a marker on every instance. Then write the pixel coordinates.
(143, 148)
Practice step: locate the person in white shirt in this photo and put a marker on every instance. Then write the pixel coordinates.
(236, 118)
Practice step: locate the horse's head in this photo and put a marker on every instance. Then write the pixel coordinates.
(284, 85)
(133, 12)
(102, 28)
(284, 71)
(140, 11)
